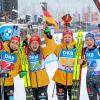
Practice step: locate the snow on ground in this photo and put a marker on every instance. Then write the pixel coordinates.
(51, 68)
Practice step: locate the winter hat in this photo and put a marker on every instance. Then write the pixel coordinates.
(17, 38)
(35, 37)
(90, 35)
(68, 32)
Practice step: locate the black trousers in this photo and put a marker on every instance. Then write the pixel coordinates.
(40, 93)
(93, 87)
(8, 92)
(62, 91)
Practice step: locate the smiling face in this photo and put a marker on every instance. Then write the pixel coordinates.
(89, 42)
(14, 44)
(34, 45)
(67, 38)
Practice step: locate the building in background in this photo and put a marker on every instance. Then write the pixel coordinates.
(10, 4)
(1, 9)
(6, 8)
(1, 6)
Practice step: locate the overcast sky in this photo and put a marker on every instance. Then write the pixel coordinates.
(54, 6)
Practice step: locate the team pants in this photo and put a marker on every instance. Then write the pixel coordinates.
(62, 91)
(8, 93)
(40, 93)
(93, 87)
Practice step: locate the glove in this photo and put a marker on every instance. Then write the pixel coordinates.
(24, 43)
(48, 32)
(4, 75)
(22, 74)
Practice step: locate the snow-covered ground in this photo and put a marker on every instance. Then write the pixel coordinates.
(51, 68)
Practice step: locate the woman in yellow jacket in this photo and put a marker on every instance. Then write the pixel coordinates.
(38, 75)
(64, 74)
(10, 61)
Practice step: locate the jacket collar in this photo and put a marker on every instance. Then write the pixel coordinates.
(6, 48)
(70, 46)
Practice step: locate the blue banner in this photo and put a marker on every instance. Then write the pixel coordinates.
(7, 31)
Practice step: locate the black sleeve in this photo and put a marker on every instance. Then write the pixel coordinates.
(99, 49)
(25, 43)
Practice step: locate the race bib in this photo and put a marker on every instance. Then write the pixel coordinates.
(35, 63)
(93, 61)
(66, 59)
(92, 64)
(93, 67)
(7, 61)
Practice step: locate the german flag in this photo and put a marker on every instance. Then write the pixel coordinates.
(48, 18)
